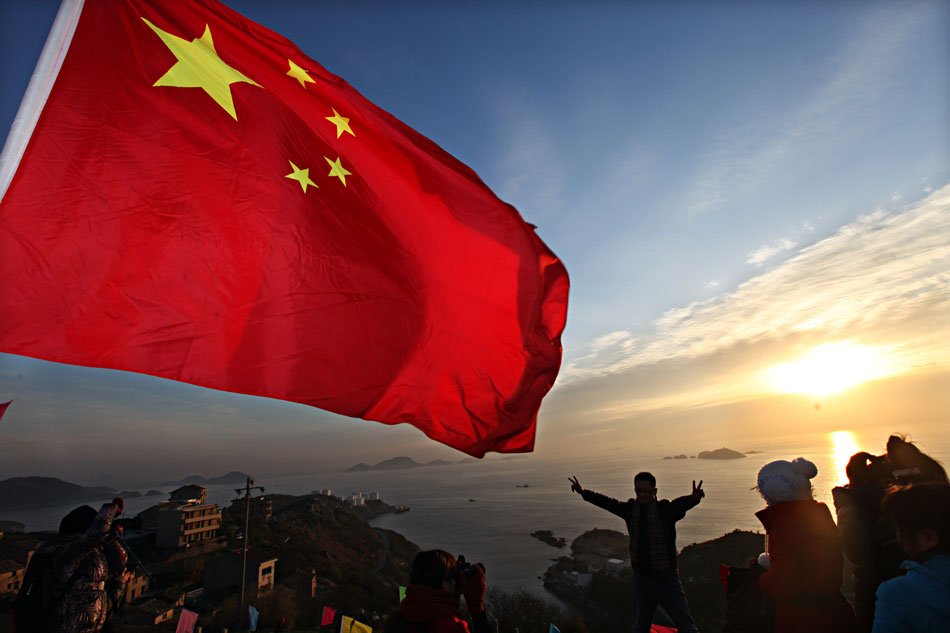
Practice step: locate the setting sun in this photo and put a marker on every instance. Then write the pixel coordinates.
(829, 369)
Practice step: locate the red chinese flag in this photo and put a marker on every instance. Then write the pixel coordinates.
(328, 616)
(3, 408)
(200, 201)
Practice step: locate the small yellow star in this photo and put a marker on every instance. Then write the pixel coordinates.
(336, 169)
(302, 176)
(341, 122)
(199, 66)
(299, 74)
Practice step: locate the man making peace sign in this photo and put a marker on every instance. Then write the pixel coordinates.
(651, 525)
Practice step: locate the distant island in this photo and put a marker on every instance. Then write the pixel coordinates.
(21, 493)
(233, 477)
(720, 453)
(396, 463)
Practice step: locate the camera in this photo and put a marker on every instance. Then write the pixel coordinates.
(467, 569)
(129, 524)
(881, 472)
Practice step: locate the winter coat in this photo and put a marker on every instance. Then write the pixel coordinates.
(428, 610)
(669, 511)
(86, 572)
(805, 570)
(918, 602)
(869, 544)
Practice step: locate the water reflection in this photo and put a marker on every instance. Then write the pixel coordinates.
(843, 447)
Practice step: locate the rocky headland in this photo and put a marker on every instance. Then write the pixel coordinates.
(547, 537)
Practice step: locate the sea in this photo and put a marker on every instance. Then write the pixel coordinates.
(487, 510)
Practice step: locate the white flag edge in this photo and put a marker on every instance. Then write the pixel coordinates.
(41, 83)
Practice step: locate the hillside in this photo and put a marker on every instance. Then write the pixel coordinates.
(233, 477)
(396, 463)
(20, 493)
(357, 568)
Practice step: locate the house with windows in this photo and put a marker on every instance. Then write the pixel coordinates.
(224, 572)
(185, 519)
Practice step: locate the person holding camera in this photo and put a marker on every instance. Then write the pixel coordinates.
(869, 543)
(76, 578)
(651, 525)
(431, 605)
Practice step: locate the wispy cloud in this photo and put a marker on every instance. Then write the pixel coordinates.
(767, 251)
(741, 159)
(534, 177)
(884, 278)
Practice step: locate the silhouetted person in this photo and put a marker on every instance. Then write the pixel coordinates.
(87, 576)
(651, 525)
(918, 602)
(913, 466)
(431, 605)
(869, 542)
(804, 561)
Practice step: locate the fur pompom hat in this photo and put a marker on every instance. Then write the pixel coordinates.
(782, 481)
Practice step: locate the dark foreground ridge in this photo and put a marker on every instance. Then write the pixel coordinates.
(326, 554)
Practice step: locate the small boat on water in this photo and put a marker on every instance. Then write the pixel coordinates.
(401, 509)
(471, 501)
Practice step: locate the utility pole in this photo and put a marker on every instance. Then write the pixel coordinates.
(247, 517)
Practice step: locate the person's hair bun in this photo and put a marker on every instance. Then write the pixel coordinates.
(804, 467)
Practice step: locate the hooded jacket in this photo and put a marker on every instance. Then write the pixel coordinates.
(918, 602)
(86, 571)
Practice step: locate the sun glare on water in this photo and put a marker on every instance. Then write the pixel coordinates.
(843, 446)
(828, 369)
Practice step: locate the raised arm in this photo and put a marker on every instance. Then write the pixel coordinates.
(620, 508)
(681, 505)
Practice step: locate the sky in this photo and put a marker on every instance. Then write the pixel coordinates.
(752, 200)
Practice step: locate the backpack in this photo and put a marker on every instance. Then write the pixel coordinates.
(33, 604)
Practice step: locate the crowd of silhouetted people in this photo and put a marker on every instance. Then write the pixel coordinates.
(893, 528)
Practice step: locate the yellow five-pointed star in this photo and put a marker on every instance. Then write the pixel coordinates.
(302, 176)
(336, 169)
(299, 74)
(199, 66)
(341, 122)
